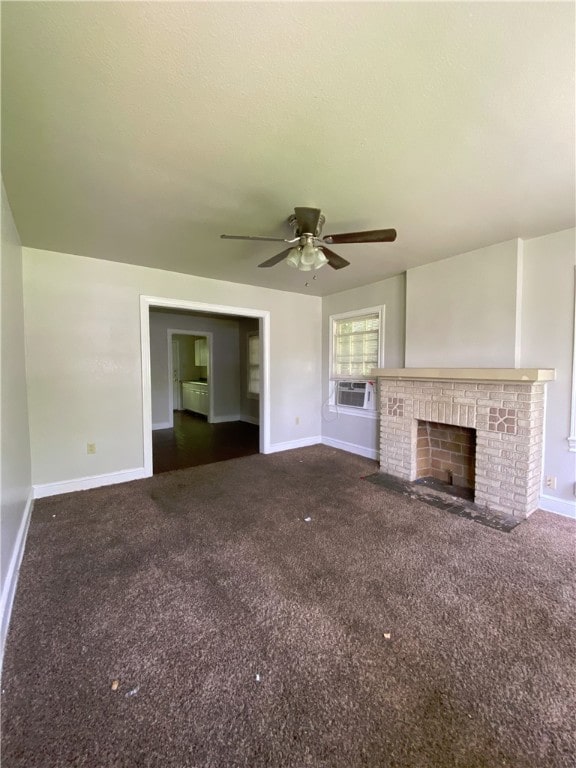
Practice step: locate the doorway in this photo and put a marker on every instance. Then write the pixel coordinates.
(190, 372)
(225, 435)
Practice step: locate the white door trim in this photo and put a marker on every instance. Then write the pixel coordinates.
(146, 302)
(207, 335)
(174, 361)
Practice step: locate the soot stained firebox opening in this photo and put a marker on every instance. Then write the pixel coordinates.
(446, 457)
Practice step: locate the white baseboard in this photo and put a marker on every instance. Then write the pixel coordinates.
(9, 586)
(226, 417)
(250, 420)
(359, 450)
(290, 444)
(162, 425)
(558, 506)
(86, 483)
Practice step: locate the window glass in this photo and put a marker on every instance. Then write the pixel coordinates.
(355, 344)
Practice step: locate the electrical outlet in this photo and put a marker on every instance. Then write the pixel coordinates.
(551, 482)
(90, 447)
(297, 420)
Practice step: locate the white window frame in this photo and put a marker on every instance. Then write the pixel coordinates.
(249, 336)
(333, 378)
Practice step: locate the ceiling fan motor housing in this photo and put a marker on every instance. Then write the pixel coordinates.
(293, 221)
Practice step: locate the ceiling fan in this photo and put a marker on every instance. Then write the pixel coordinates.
(308, 249)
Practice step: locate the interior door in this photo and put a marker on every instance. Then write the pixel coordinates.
(176, 388)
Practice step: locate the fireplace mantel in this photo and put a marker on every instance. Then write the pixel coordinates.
(468, 374)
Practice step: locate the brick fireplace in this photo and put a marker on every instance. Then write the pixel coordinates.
(505, 409)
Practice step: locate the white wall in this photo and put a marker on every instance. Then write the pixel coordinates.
(508, 305)
(461, 311)
(15, 488)
(82, 320)
(356, 432)
(225, 361)
(547, 341)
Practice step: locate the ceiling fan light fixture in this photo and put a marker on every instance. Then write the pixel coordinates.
(293, 258)
(308, 257)
(320, 259)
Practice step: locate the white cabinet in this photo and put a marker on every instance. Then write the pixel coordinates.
(195, 397)
(188, 397)
(201, 352)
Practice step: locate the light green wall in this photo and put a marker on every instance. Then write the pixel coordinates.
(547, 341)
(461, 311)
(82, 321)
(15, 476)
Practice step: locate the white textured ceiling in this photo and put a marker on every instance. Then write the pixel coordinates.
(139, 132)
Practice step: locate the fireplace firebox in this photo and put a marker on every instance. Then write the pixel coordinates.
(446, 453)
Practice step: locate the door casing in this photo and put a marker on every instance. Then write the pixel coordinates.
(148, 302)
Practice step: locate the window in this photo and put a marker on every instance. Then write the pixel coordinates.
(253, 365)
(356, 342)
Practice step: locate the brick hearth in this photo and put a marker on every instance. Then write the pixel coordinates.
(508, 416)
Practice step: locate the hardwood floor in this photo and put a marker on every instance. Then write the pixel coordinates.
(193, 442)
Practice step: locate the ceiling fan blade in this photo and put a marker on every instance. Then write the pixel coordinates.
(273, 260)
(335, 261)
(267, 239)
(372, 236)
(307, 219)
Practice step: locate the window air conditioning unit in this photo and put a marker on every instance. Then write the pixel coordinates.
(355, 394)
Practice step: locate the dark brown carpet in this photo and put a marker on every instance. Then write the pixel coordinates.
(383, 632)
